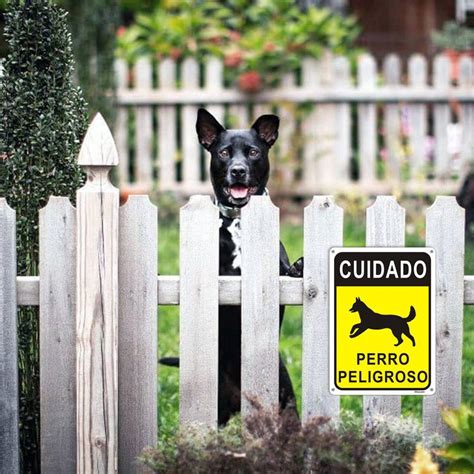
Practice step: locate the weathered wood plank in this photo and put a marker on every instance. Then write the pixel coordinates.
(342, 145)
(144, 126)
(9, 420)
(466, 81)
(190, 145)
(214, 82)
(57, 233)
(367, 120)
(323, 223)
(167, 133)
(121, 123)
(441, 117)
(198, 327)
(385, 228)
(291, 290)
(326, 127)
(445, 233)
(309, 125)
(429, 95)
(417, 77)
(97, 304)
(392, 71)
(137, 357)
(260, 302)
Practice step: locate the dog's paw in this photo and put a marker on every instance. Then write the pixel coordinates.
(296, 270)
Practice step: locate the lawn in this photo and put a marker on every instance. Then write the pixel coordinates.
(290, 341)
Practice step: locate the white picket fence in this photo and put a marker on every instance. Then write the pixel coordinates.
(98, 293)
(410, 131)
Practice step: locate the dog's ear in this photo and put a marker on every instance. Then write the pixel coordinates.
(207, 128)
(357, 298)
(266, 127)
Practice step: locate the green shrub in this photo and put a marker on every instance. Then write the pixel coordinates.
(259, 41)
(278, 444)
(454, 36)
(42, 119)
(460, 454)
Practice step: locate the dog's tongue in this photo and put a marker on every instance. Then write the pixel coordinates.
(238, 191)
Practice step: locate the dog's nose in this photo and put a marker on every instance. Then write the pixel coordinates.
(238, 171)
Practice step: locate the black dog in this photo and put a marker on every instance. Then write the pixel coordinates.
(371, 320)
(239, 169)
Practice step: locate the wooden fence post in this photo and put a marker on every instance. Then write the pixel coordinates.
(58, 335)
(445, 233)
(97, 304)
(385, 228)
(198, 324)
(323, 221)
(260, 302)
(9, 422)
(137, 358)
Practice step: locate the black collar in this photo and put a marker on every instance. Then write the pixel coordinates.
(230, 211)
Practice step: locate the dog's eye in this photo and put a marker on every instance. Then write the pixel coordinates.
(253, 153)
(224, 153)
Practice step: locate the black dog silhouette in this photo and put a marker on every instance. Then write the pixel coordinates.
(369, 319)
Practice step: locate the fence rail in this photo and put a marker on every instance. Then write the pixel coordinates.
(377, 132)
(98, 292)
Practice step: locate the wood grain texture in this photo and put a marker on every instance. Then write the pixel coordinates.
(323, 223)
(367, 119)
(137, 357)
(260, 302)
(198, 326)
(191, 149)
(9, 419)
(121, 123)
(392, 73)
(445, 233)
(385, 228)
(144, 161)
(167, 133)
(441, 117)
(57, 295)
(97, 307)
(291, 290)
(418, 116)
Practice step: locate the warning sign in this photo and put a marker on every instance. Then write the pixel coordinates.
(382, 334)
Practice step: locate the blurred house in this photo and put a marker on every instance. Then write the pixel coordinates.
(401, 26)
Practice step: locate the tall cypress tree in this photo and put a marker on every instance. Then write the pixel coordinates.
(42, 120)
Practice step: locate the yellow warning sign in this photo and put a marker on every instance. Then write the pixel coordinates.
(382, 321)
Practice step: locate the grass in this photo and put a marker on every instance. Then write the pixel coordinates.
(290, 341)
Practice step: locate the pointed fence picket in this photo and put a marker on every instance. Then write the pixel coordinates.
(260, 302)
(385, 228)
(57, 335)
(198, 323)
(137, 330)
(9, 414)
(99, 264)
(323, 221)
(445, 233)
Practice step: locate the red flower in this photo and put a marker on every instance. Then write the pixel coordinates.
(233, 59)
(269, 47)
(175, 53)
(120, 31)
(250, 82)
(234, 35)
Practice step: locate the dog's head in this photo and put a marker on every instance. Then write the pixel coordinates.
(239, 158)
(357, 306)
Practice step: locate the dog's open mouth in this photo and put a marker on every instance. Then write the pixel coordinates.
(240, 191)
